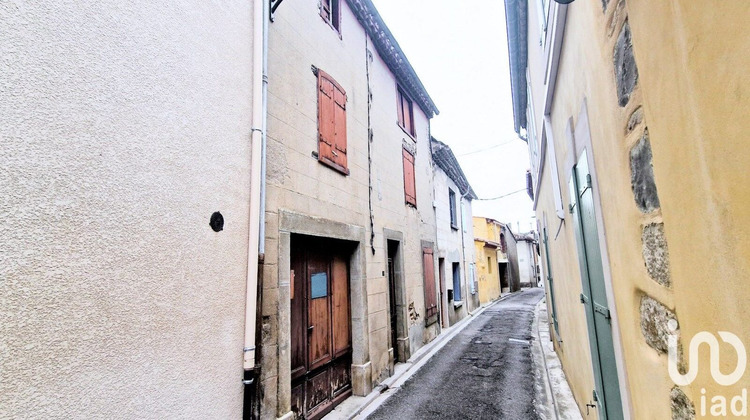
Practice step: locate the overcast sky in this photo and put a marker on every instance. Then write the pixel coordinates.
(459, 50)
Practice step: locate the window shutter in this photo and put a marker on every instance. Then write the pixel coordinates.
(331, 123)
(325, 9)
(430, 296)
(339, 120)
(410, 190)
(408, 116)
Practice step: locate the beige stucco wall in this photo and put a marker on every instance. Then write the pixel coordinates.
(123, 128)
(693, 89)
(297, 182)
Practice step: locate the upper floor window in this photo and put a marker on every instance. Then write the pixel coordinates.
(410, 185)
(452, 205)
(330, 11)
(331, 123)
(405, 110)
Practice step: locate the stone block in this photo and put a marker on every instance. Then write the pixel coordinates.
(682, 407)
(656, 253)
(655, 319)
(635, 119)
(361, 379)
(626, 72)
(642, 175)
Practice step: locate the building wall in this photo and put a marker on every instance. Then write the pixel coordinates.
(489, 279)
(451, 246)
(514, 277)
(299, 184)
(526, 264)
(124, 129)
(698, 180)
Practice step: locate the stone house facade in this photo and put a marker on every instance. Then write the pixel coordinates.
(634, 116)
(349, 285)
(455, 237)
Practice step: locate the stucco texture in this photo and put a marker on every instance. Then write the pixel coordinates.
(124, 127)
(693, 90)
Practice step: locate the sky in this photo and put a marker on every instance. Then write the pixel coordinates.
(459, 50)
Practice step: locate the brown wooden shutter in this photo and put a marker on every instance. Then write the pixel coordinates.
(410, 189)
(332, 147)
(430, 296)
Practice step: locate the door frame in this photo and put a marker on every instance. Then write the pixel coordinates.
(401, 349)
(296, 223)
(578, 137)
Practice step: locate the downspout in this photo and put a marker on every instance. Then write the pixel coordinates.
(257, 137)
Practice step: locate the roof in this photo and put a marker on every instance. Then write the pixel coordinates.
(516, 12)
(392, 54)
(446, 160)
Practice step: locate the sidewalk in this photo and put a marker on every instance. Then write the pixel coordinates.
(556, 400)
(360, 407)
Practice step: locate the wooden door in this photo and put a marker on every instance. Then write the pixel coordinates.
(320, 326)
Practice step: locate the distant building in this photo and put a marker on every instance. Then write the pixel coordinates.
(528, 259)
(496, 257)
(455, 236)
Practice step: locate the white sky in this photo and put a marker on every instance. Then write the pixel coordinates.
(459, 50)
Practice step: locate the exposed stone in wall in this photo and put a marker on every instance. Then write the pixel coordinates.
(642, 175)
(626, 72)
(656, 253)
(635, 118)
(654, 323)
(682, 407)
(604, 5)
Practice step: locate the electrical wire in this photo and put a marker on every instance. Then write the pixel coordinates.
(501, 196)
(486, 148)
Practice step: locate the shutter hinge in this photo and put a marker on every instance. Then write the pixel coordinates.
(602, 310)
(583, 298)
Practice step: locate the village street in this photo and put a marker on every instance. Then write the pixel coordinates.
(484, 372)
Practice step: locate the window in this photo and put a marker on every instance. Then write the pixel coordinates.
(331, 123)
(330, 11)
(452, 205)
(456, 282)
(410, 188)
(405, 110)
(489, 265)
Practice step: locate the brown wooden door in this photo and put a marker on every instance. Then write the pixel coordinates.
(320, 326)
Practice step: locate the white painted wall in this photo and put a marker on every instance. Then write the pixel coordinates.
(123, 126)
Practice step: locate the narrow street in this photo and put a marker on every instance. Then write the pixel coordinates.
(485, 372)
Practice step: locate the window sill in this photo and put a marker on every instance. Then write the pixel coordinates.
(333, 165)
(411, 136)
(454, 227)
(458, 304)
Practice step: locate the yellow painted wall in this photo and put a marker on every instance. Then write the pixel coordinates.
(488, 278)
(694, 87)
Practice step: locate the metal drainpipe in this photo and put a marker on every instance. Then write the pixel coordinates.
(256, 162)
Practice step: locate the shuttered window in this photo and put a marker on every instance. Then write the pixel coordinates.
(331, 123)
(430, 295)
(330, 11)
(405, 110)
(410, 188)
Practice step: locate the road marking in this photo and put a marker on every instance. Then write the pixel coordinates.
(515, 340)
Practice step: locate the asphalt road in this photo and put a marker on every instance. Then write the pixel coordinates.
(484, 372)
